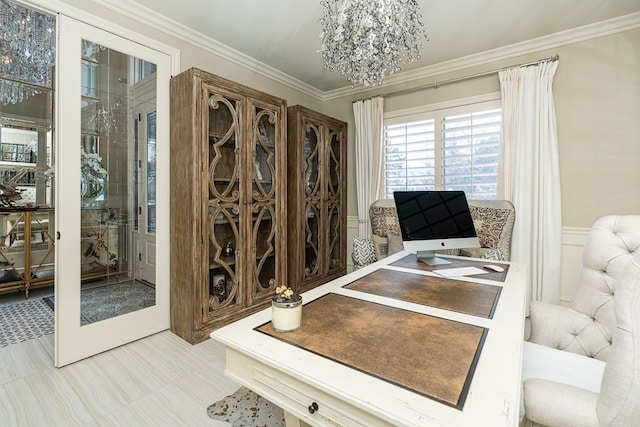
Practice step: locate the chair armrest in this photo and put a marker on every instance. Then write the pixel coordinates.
(554, 404)
(557, 326)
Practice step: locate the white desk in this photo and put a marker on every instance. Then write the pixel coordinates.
(294, 379)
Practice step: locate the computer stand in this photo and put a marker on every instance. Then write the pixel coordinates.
(430, 258)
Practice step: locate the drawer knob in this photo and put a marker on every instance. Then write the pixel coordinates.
(313, 407)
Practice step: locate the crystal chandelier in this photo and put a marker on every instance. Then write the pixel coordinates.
(365, 39)
(27, 52)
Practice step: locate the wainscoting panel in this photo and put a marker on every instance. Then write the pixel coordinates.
(573, 240)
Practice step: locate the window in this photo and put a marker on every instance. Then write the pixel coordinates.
(140, 70)
(151, 173)
(449, 149)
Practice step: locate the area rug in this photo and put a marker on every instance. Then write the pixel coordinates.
(24, 321)
(105, 302)
(244, 408)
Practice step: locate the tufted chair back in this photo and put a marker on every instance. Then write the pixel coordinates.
(564, 389)
(587, 326)
(619, 402)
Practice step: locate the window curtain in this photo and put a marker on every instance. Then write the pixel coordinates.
(531, 174)
(368, 116)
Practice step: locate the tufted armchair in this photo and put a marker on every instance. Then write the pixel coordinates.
(586, 327)
(493, 220)
(567, 389)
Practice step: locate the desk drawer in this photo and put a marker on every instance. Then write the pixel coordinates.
(297, 397)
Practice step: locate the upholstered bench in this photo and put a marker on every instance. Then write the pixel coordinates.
(493, 220)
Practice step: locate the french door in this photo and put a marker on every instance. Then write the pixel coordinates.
(112, 199)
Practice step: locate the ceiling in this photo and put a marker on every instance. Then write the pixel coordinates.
(284, 33)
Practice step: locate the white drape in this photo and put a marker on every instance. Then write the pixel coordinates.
(369, 121)
(531, 174)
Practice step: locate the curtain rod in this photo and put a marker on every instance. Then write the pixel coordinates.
(436, 85)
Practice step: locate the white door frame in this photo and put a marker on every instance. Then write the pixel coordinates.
(72, 341)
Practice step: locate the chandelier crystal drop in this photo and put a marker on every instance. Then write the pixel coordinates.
(366, 39)
(27, 52)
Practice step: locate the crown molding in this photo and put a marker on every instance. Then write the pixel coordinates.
(551, 41)
(175, 29)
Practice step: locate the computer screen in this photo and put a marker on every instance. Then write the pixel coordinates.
(433, 220)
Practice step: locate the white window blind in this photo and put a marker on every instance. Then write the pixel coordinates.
(463, 153)
(470, 153)
(409, 157)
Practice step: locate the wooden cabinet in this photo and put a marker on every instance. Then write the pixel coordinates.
(317, 189)
(228, 201)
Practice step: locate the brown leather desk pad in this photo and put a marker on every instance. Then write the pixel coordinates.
(429, 355)
(410, 261)
(456, 295)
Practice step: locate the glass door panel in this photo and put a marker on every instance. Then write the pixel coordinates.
(112, 167)
(263, 202)
(223, 203)
(312, 258)
(311, 247)
(116, 256)
(334, 243)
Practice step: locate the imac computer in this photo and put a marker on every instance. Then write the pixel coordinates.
(434, 220)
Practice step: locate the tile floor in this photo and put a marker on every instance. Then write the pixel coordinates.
(160, 380)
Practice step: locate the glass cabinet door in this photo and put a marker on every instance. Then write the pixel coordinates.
(224, 203)
(262, 197)
(313, 198)
(334, 200)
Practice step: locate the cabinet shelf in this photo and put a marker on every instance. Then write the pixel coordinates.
(217, 137)
(231, 260)
(254, 182)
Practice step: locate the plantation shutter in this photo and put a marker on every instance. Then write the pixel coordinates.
(470, 153)
(410, 157)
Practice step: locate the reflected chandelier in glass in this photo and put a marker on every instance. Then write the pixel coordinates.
(27, 52)
(365, 39)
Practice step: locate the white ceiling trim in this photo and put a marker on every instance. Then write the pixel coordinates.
(144, 15)
(180, 31)
(552, 41)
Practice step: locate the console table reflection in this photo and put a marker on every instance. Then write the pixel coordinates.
(317, 385)
(26, 248)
